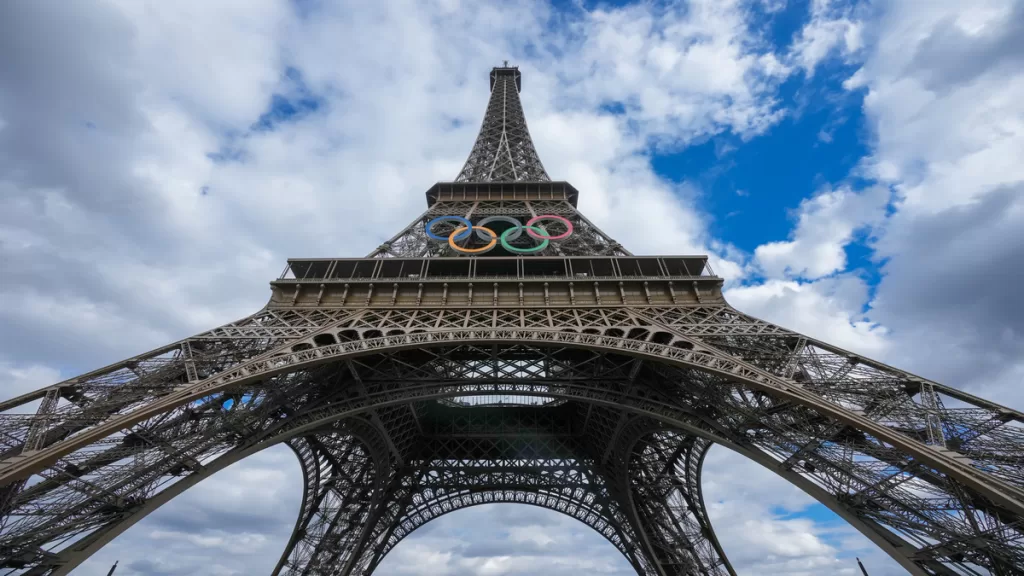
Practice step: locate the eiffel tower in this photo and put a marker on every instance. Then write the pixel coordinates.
(502, 348)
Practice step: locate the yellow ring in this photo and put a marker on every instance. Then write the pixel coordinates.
(460, 229)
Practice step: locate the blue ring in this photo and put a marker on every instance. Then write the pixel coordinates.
(461, 236)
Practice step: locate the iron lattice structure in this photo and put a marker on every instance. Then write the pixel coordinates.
(454, 367)
(503, 151)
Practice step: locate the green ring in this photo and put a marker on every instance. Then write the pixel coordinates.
(510, 248)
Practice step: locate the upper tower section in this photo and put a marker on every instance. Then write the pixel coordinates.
(503, 151)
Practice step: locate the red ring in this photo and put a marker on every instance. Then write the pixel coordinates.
(561, 236)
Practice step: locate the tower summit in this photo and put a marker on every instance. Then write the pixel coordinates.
(503, 151)
(502, 348)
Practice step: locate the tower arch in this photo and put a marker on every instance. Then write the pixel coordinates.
(641, 404)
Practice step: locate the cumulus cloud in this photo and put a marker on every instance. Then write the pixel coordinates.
(505, 540)
(234, 523)
(948, 131)
(24, 378)
(941, 96)
(827, 309)
(835, 28)
(683, 71)
(768, 526)
(826, 224)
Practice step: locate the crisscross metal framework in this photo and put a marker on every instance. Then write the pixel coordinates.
(420, 380)
(504, 151)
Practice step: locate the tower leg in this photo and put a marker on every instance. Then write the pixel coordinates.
(346, 469)
(664, 476)
(657, 471)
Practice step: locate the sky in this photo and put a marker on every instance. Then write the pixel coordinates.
(853, 170)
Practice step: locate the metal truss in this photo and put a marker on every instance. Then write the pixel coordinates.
(416, 382)
(504, 151)
(514, 454)
(855, 437)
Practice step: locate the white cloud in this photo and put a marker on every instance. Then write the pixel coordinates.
(682, 71)
(762, 523)
(943, 96)
(826, 224)
(510, 540)
(948, 130)
(827, 309)
(234, 523)
(942, 84)
(224, 59)
(18, 379)
(834, 28)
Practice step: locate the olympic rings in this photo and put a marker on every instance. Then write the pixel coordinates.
(466, 225)
(466, 228)
(511, 248)
(518, 226)
(493, 241)
(535, 219)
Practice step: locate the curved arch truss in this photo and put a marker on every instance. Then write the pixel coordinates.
(524, 454)
(606, 420)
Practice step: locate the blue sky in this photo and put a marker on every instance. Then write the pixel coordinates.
(840, 162)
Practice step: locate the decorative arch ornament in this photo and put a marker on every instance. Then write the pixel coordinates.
(424, 378)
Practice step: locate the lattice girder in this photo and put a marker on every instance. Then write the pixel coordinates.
(730, 401)
(503, 151)
(565, 485)
(662, 476)
(540, 456)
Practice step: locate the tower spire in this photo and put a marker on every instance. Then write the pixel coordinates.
(503, 151)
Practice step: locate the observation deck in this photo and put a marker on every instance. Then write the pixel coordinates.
(501, 281)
